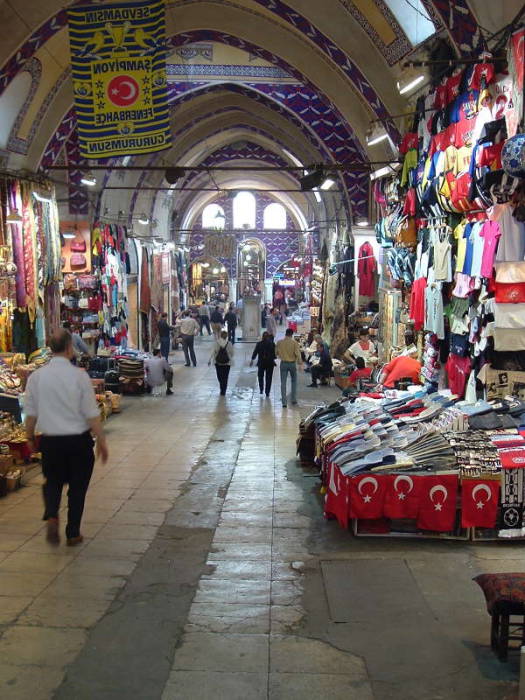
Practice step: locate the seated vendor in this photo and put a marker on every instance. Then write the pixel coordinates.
(402, 367)
(158, 372)
(323, 368)
(364, 347)
(361, 372)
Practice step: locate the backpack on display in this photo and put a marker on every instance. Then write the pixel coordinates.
(222, 357)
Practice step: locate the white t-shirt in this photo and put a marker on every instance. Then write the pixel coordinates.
(61, 397)
(509, 315)
(511, 246)
(478, 245)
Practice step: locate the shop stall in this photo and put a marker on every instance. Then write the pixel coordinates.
(209, 281)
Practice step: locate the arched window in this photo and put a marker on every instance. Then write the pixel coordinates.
(275, 216)
(244, 210)
(213, 217)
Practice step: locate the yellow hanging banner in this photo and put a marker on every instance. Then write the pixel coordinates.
(118, 59)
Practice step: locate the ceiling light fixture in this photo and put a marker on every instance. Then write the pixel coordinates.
(172, 175)
(327, 184)
(215, 270)
(376, 139)
(362, 221)
(312, 179)
(411, 85)
(88, 179)
(143, 219)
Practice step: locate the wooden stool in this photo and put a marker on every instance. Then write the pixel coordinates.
(505, 596)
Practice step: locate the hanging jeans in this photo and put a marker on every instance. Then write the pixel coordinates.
(189, 352)
(165, 346)
(223, 372)
(67, 459)
(265, 373)
(288, 368)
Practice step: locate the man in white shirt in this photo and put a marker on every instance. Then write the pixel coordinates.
(189, 328)
(204, 317)
(60, 401)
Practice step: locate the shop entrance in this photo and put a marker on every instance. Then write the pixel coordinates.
(209, 281)
(251, 267)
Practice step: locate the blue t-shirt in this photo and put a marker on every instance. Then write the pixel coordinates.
(469, 250)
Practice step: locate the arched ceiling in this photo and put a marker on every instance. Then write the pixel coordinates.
(297, 81)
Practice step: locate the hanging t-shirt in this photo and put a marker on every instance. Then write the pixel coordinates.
(490, 232)
(458, 370)
(434, 320)
(509, 315)
(461, 245)
(477, 250)
(469, 249)
(442, 258)
(511, 245)
(417, 303)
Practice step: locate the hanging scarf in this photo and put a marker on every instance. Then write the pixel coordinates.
(18, 246)
(145, 290)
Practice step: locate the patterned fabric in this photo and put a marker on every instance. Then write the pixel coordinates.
(503, 592)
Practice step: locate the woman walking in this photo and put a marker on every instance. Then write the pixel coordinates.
(222, 356)
(265, 354)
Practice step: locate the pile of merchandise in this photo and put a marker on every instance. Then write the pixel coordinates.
(421, 464)
(453, 222)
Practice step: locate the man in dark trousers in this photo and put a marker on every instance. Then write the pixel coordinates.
(164, 335)
(60, 400)
(230, 319)
(217, 322)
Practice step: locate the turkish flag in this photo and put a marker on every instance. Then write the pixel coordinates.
(479, 503)
(402, 496)
(337, 495)
(437, 504)
(367, 496)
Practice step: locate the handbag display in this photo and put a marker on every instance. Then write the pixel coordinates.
(78, 260)
(87, 282)
(78, 246)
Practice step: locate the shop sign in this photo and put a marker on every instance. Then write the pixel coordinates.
(166, 272)
(278, 275)
(118, 60)
(287, 283)
(219, 245)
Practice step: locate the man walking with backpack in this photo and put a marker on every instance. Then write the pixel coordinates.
(222, 356)
(265, 352)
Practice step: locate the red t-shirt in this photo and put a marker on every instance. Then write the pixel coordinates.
(363, 373)
(401, 367)
(458, 370)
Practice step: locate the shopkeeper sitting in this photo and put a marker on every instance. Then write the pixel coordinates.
(79, 346)
(363, 347)
(405, 366)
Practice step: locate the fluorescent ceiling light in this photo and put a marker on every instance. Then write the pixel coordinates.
(88, 179)
(143, 219)
(41, 197)
(327, 184)
(409, 86)
(384, 172)
(317, 195)
(362, 221)
(13, 217)
(69, 234)
(377, 139)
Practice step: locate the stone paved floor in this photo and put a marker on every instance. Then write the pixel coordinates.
(201, 575)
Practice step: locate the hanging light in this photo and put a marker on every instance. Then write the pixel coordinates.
(14, 217)
(223, 269)
(143, 219)
(248, 257)
(327, 184)
(312, 179)
(69, 234)
(88, 179)
(215, 270)
(375, 134)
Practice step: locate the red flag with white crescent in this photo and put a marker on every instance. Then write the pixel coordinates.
(437, 504)
(479, 503)
(336, 499)
(402, 496)
(367, 496)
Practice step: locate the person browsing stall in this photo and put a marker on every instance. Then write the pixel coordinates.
(60, 402)
(79, 346)
(403, 367)
(164, 335)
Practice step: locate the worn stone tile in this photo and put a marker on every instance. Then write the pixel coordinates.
(244, 519)
(128, 532)
(183, 685)
(32, 562)
(254, 570)
(40, 646)
(303, 686)
(52, 611)
(286, 592)
(118, 549)
(226, 591)
(285, 618)
(23, 682)
(289, 654)
(287, 570)
(201, 651)
(10, 543)
(101, 566)
(255, 535)
(11, 606)
(80, 586)
(18, 583)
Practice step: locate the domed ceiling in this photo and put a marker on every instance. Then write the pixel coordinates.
(253, 84)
